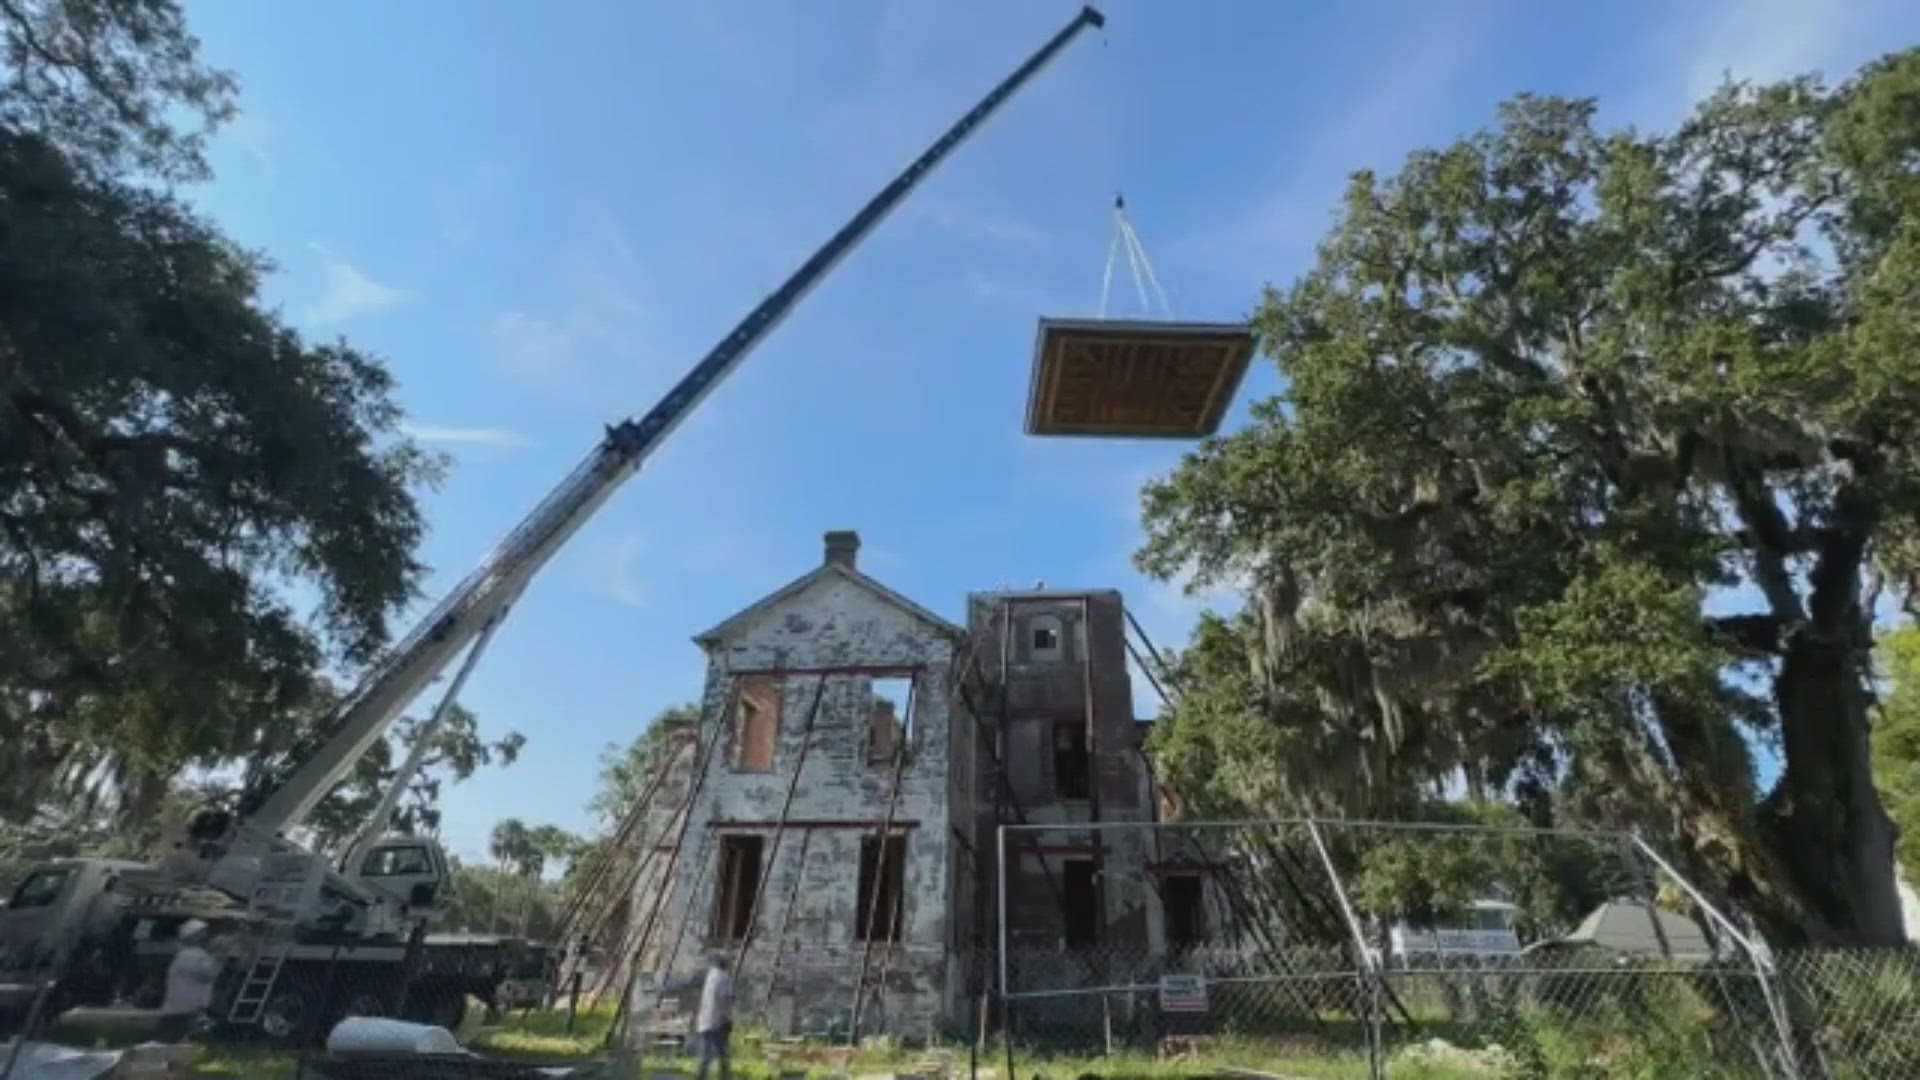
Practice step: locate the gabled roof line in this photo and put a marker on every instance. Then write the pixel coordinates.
(800, 584)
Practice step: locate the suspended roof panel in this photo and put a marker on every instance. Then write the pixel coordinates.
(1111, 378)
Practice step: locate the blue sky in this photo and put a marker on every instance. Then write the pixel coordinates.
(541, 215)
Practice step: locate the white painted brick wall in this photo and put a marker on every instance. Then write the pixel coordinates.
(835, 622)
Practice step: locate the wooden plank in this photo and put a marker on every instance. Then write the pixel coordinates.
(757, 726)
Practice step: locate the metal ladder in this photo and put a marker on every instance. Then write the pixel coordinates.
(276, 944)
(263, 973)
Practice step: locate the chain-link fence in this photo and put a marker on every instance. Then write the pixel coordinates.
(1321, 948)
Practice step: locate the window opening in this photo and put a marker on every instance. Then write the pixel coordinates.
(888, 718)
(1072, 777)
(1080, 896)
(1186, 914)
(756, 724)
(737, 886)
(1043, 637)
(877, 910)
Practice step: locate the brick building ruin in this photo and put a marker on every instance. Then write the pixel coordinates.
(832, 825)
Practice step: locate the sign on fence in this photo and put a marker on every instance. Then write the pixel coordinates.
(1183, 994)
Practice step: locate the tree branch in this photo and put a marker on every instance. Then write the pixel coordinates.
(1752, 632)
(1773, 542)
(76, 429)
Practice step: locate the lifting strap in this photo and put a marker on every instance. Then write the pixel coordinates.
(1146, 284)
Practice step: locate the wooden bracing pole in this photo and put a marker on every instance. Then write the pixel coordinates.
(703, 764)
(780, 826)
(633, 823)
(895, 916)
(786, 919)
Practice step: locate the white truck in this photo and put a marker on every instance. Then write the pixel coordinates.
(307, 949)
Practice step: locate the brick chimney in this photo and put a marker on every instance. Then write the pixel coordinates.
(843, 547)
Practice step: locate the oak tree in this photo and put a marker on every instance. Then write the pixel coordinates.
(1595, 453)
(176, 466)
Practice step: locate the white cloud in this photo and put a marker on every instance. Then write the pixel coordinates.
(1766, 40)
(464, 205)
(533, 347)
(623, 580)
(462, 435)
(608, 568)
(994, 226)
(350, 292)
(259, 137)
(1018, 289)
(1270, 237)
(878, 559)
(593, 340)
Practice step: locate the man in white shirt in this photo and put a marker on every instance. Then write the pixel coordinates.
(190, 980)
(714, 1023)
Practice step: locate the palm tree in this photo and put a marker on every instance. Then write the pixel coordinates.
(513, 848)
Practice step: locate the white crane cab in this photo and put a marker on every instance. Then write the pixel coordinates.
(411, 872)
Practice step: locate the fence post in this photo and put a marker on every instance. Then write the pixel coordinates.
(1006, 1004)
(1366, 966)
(27, 1026)
(1763, 968)
(573, 1000)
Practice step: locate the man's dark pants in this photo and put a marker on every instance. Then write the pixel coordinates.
(713, 1046)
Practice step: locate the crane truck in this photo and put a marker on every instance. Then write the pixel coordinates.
(96, 931)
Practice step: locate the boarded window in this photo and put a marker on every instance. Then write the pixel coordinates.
(882, 874)
(1183, 895)
(889, 712)
(1080, 895)
(756, 724)
(1071, 767)
(736, 887)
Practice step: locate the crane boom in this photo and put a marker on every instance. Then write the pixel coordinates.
(472, 605)
(382, 817)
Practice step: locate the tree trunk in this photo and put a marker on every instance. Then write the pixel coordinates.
(1830, 830)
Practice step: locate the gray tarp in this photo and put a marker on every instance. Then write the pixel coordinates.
(51, 1061)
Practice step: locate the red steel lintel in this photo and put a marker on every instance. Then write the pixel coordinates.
(810, 823)
(871, 671)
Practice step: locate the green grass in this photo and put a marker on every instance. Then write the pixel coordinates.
(250, 1064)
(269, 1065)
(538, 1034)
(541, 1035)
(1292, 1062)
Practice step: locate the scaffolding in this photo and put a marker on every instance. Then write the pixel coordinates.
(1268, 922)
(1253, 904)
(1007, 807)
